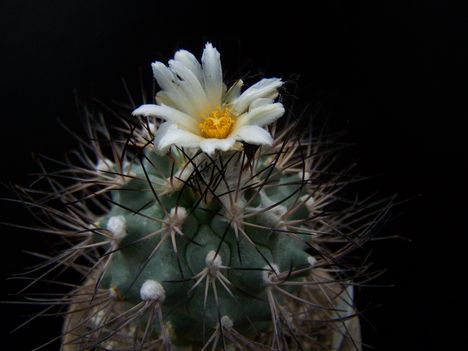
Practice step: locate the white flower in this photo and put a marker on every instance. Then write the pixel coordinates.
(199, 111)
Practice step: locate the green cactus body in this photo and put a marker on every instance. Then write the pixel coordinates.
(214, 243)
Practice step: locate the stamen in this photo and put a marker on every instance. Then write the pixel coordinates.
(218, 124)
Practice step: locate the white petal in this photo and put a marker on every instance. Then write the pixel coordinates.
(262, 89)
(163, 98)
(260, 102)
(211, 145)
(147, 110)
(162, 129)
(169, 134)
(262, 115)
(164, 76)
(191, 86)
(213, 75)
(188, 60)
(170, 85)
(234, 91)
(254, 135)
(169, 114)
(160, 133)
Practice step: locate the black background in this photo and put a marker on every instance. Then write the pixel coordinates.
(391, 73)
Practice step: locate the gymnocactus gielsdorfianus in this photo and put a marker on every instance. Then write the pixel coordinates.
(209, 220)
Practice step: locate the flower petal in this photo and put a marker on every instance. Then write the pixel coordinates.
(190, 86)
(169, 134)
(234, 91)
(262, 89)
(213, 75)
(170, 85)
(161, 131)
(147, 110)
(211, 145)
(260, 102)
(164, 76)
(169, 114)
(254, 135)
(262, 115)
(189, 60)
(163, 98)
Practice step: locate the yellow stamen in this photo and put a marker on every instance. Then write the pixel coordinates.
(217, 124)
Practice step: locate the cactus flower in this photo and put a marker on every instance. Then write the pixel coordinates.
(200, 112)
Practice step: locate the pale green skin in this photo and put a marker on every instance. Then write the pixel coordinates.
(191, 322)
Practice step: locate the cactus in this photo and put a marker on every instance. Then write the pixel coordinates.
(222, 240)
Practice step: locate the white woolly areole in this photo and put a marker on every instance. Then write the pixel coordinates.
(306, 175)
(311, 261)
(152, 290)
(274, 214)
(104, 165)
(213, 260)
(177, 181)
(117, 225)
(309, 202)
(177, 215)
(98, 318)
(226, 322)
(113, 293)
(278, 210)
(268, 274)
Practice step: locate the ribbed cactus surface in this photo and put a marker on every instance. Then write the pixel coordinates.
(208, 239)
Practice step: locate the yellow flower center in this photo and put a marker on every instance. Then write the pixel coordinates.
(217, 124)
